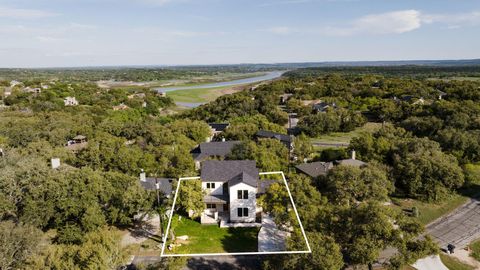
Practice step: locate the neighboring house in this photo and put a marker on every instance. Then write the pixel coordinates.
(284, 98)
(441, 94)
(32, 90)
(137, 95)
(231, 188)
(287, 140)
(163, 185)
(70, 101)
(7, 92)
(77, 143)
(323, 106)
(217, 128)
(14, 83)
(316, 169)
(212, 150)
(411, 99)
(120, 107)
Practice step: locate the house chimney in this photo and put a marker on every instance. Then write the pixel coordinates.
(143, 177)
(353, 154)
(55, 163)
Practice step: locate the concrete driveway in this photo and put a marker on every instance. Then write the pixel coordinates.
(459, 228)
(270, 238)
(430, 263)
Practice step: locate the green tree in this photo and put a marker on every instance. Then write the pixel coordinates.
(190, 197)
(17, 244)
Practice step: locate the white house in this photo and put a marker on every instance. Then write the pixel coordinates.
(70, 101)
(231, 188)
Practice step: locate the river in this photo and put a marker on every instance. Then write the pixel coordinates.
(269, 76)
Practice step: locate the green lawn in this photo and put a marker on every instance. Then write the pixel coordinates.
(475, 246)
(345, 137)
(431, 211)
(454, 264)
(213, 239)
(196, 95)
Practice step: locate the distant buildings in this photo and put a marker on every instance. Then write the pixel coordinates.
(31, 90)
(77, 143)
(120, 107)
(323, 106)
(70, 101)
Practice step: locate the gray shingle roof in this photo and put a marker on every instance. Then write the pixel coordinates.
(263, 185)
(215, 199)
(219, 126)
(165, 184)
(274, 135)
(244, 177)
(351, 162)
(226, 170)
(315, 169)
(210, 149)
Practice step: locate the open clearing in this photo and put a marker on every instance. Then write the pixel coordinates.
(342, 139)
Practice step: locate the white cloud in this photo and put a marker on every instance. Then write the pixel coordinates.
(280, 30)
(18, 13)
(396, 22)
(453, 20)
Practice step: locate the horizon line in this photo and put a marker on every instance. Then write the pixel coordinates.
(333, 63)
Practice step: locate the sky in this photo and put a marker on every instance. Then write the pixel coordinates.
(71, 33)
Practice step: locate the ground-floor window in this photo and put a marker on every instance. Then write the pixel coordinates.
(242, 212)
(211, 206)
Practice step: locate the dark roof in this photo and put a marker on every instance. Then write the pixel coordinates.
(351, 162)
(274, 135)
(323, 106)
(165, 184)
(219, 126)
(263, 185)
(244, 177)
(210, 149)
(226, 170)
(215, 198)
(315, 169)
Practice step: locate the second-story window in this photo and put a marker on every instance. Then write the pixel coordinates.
(211, 185)
(242, 194)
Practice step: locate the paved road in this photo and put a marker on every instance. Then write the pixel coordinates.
(459, 227)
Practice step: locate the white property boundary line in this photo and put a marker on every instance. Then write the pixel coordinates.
(234, 253)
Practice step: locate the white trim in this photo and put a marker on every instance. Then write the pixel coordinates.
(162, 254)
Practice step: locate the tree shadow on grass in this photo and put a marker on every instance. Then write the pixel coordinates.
(224, 263)
(241, 240)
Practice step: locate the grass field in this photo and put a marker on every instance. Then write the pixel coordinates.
(197, 95)
(213, 239)
(454, 264)
(475, 246)
(431, 211)
(345, 137)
